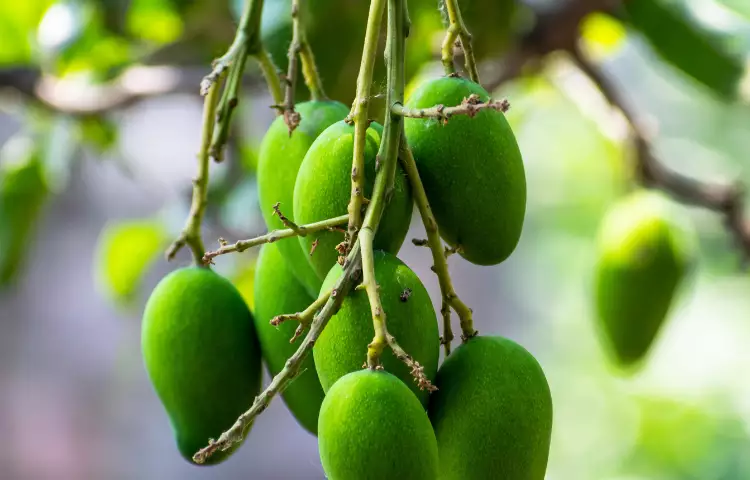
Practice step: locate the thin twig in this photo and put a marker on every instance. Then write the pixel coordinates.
(359, 116)
(191, 233)
(273, 236)
(440, 264)
(292, 117)
(227, 105)
(470, 106)
(725, 199)
(304, 317)
(246, 41)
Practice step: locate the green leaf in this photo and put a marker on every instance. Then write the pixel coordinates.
(688, 43)
(154, 20)
(22, 194)
(98, 132)
(244, 280)
(73, 39)
(125, 251)
(18, 21)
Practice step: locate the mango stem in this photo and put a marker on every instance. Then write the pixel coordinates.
(457, 31)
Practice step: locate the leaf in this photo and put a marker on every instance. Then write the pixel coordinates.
(98, 132)
(688, 44)
(244, 280)
(154, 20)
(18, 20)
(125, 251)
(22, 194)
(602, 34)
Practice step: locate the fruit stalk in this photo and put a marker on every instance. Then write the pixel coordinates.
(440, 263)
(388, 155)
(191, 233)
(352, 269)
(227, 105)
(270, 74)
(457, 31)
(470, 106)
(724, 199)
(398, 30)
(358, 115)
(272, 236)
(246, 41)
(292, 118)
(306, 57)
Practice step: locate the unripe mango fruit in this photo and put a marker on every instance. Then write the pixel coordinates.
(410, 317)
(372, 427)
(323, 190)
(643, 257)
(277, 292)
(472, 172)
(279, 160)
(201, 354)
(492, 412)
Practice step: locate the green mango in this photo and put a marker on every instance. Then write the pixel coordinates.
(277, 291)
(201, 354)
(472, 172)
(372, 427)
(492, 412)
(410, 317)
(643, 257)
(323, 190)
(279, 160)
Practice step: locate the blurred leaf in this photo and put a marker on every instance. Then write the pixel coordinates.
(154, 20)
(60, 150)
(602, 34)
(73, 39)
(22, 193)
(125, 251)
(18, 21)
(740, 6)
(686, 42)
(61, 26)
(98, 132)
(244, 280)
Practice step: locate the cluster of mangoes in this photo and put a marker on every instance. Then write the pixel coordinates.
(491, 415)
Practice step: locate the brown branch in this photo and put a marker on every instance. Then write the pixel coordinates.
(470, 106)
(725, 199)
(76, 97)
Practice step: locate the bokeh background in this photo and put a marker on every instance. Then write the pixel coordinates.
(99, 113)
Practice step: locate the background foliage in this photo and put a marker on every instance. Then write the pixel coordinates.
(99, 124)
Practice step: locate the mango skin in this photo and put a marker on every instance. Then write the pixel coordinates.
(643, 257)
(342, 347)
(492, 412)
(279, 160)
(201, 354)
(323, 190)
(372, 427)
(277, 291)
(472, 172)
